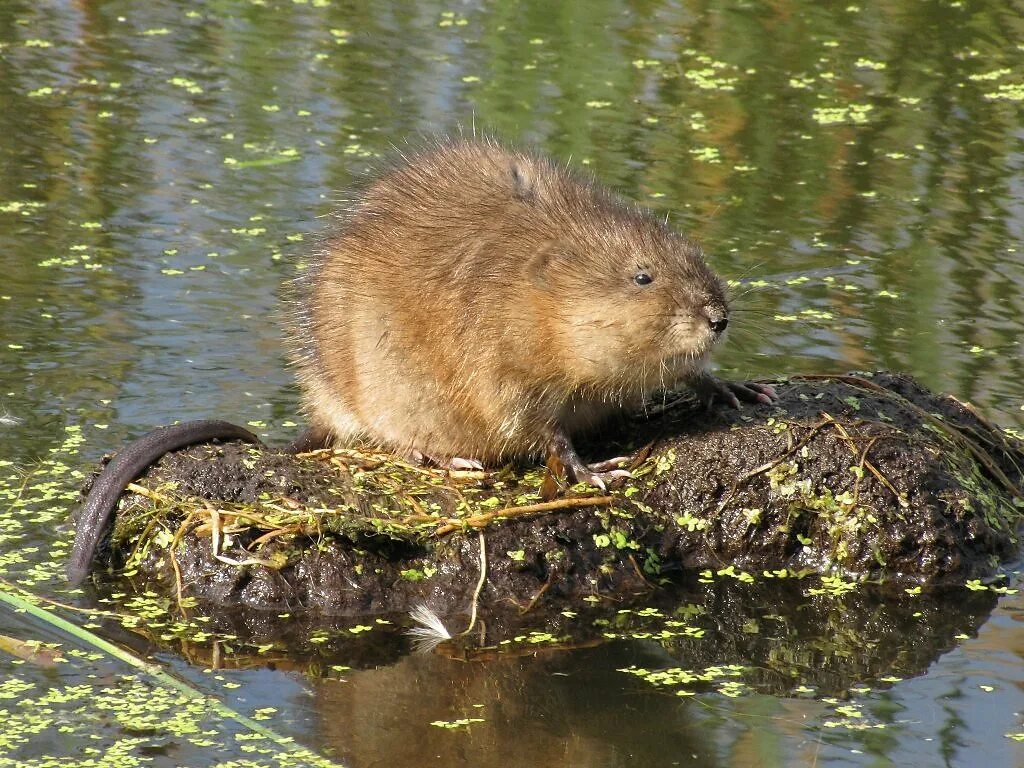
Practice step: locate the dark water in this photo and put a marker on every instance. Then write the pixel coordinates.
(859, 167)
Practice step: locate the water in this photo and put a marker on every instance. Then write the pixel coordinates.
(857, 166)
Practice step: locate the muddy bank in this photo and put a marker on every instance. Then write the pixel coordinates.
(859, 477)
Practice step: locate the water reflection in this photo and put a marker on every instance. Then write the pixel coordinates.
(679, 678)
(865, 163)
(564, 710)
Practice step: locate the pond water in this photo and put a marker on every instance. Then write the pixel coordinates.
(858, 167)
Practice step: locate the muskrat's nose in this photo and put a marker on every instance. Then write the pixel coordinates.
(717, 319)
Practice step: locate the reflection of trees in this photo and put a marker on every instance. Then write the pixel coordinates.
(571, 709)
(939, 230)
(917, 222)
(935, 232)
(58, 158)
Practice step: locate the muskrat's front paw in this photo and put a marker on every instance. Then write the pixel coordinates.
(752, 392)
(710, 388)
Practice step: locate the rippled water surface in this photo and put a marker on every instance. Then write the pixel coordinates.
(858, 168)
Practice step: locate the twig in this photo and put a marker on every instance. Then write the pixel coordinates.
(294, 528)
(178, 534)
(900, 498)
(860, 466)
(93, 612)
(533, 600)
(479, 584)
(771, 464)
(83, 635)
(640, 573)
(479, 521)
(148, 493)
(214, 530)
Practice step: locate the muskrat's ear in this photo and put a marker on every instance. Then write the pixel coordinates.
(538, 266)
(523, 183)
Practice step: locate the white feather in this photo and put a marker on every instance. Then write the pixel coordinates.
(431, 631)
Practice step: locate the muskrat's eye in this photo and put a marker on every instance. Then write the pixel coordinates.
(643, 278)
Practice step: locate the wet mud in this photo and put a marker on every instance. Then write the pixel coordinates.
(865, 477)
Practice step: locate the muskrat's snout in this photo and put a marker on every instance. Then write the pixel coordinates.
(718, 318)
(696, 326)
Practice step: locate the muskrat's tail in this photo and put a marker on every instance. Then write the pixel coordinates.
(125, 467)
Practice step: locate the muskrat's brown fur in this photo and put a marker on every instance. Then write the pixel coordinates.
(484, 303)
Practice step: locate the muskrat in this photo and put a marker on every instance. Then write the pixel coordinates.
(478, 303)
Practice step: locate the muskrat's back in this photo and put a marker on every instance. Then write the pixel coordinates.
(479, 301)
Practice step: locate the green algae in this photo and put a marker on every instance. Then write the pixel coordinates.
(139, 711)
(169, 709)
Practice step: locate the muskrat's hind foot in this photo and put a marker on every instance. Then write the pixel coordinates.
(710, 388)
(311, 439)
(471, 465)
(611, 465)
(455, 463)
(598, 474)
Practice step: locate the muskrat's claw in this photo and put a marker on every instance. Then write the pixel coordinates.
(609, 465)
(600, 474)
(458, 463)
(762, 393)
(710, 388)
(602, 479)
